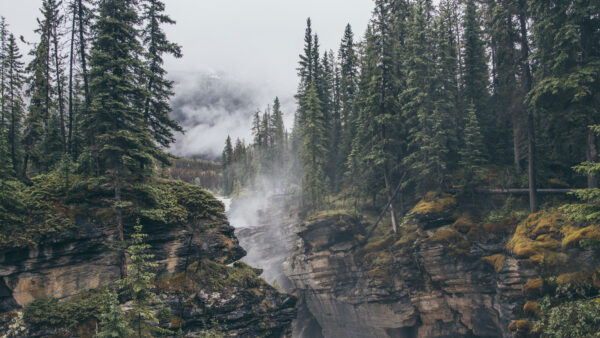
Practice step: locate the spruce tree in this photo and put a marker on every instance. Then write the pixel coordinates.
(120, 147)
(314, 150)
(159, 88)
(424, 114)
(279, 142)
(139, 285)
(227, 156)
(475, 77)
(14, 104)
(348, 61)
(565, 93)
(112, 319)
(472, 153)
(3, 81)
(40, 91)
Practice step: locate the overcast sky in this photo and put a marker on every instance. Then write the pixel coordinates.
(238, 55)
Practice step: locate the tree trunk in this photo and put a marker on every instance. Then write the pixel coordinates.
(84, 71)
(533, 199)
(119, 211)
(388, 188)
(59, 88)
(516, 143)
(592, 155)
(13, 117)
(71, 57)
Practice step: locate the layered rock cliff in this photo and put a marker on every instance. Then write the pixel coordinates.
(192, 252)
(441, 276)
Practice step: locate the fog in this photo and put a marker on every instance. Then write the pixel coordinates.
(209, 106)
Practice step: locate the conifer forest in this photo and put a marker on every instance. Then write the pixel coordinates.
(433, 175)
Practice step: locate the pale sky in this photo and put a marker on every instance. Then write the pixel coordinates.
(248, 46)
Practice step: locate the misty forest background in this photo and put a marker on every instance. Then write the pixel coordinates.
(461, 97)
(464, 97)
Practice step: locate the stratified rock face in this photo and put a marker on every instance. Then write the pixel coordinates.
(228, 299)
(205, 295)
(85, 259)
(414, 288)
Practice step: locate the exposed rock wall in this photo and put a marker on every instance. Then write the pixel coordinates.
(403, 288)
(203, 293)
(85, 259)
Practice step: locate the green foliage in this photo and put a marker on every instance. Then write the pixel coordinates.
(112, 320)
(29, 214)
(313, 150)
(574, 318)
(139, 285)
(209, 275)
(64, 314)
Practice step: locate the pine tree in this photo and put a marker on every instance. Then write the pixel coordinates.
(85, 16)
(565, 93)
(121, 147)
(112, 320)
(506, 102)
(227, 156)
(314, 150)
(3, 77)
(475, 77)
(472, 153)
(278, 134)
(159, 88)
(139, 285)
(257, 129)
(40, 91)
(58, 60)
(423, 112)
(348, 87)
(14, 104)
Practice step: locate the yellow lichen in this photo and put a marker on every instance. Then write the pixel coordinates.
(406, 239)
(532, 309)
(537, 238)
(576, 278)
(520, 326)
(574, 236)
(533, 287)
(369, 252)
(463, 224)
(446, 235)
(497, 261)
(434, 203)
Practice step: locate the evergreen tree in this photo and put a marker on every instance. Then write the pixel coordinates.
(227, 156)
(139, 285)
(506, 102)
(40, 91)
(565, 93)
(85, 17)
(314, 150)
(3, 77)
(257, 129)
(58, 64)
(121, 146)
(381, 102)
(112, 320)
(427, 157)
(227, 161)
(475, 77)
(279, 141)
(159, 88)
(348, 61)
(14, 105)
(472, 153)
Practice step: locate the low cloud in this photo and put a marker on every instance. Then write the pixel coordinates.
(209, 106)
